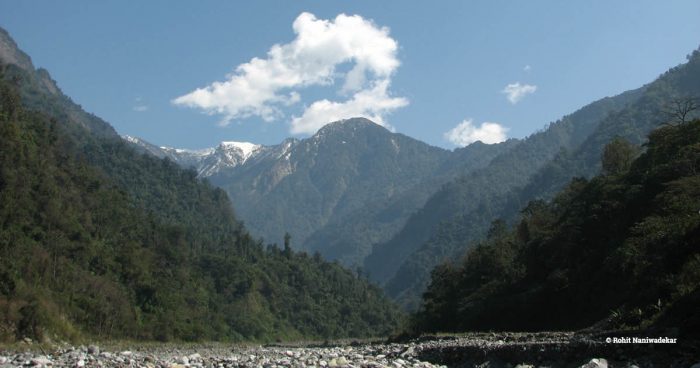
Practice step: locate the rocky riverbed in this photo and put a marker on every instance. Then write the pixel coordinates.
(516, 350)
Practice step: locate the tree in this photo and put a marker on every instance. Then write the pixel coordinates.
(287, 245)
(618, 156)
(679, 110)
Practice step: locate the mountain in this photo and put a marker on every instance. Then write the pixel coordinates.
(482, 194)
(208, 161)
(618, 251)
(344, 167)
(100, 240)
(377, 221)
(462, 211)
(350, 185)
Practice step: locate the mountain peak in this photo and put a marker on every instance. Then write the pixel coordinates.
(351, 122)
(347, 126)
(246, 148)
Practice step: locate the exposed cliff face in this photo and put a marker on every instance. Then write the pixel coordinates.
(11, 54)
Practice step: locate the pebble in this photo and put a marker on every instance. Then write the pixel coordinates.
(41, 361)
(93, 349)
(596, 363)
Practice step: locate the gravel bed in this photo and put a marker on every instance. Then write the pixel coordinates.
(507, 350)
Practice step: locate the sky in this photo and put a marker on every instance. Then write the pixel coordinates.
(193, 74)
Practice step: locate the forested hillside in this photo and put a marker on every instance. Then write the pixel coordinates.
(621, 250)
(99, 240)
(541, 165)
(378, 220)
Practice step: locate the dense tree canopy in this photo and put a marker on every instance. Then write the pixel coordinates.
(622, 248)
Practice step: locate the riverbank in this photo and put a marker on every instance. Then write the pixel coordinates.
(548, 349)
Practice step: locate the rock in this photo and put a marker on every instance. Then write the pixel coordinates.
(696, 365)
(333, 363)
(596, 363)
(126, 353)
(524, 366)
(342, 361)
(80, 363)
(93, 349)
(183, 360)
(407, 352)
(176, 365)
(41, 361)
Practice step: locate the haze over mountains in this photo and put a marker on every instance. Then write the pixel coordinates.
(398, 207)
(350, 185)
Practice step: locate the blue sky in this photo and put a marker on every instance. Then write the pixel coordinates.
(428, 67)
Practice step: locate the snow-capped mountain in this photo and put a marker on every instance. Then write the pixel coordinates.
(228, 155)
(209, 161)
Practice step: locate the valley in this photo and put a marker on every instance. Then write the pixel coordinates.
(368, 231)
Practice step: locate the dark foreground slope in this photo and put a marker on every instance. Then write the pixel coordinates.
(98, 240)
(621, 250)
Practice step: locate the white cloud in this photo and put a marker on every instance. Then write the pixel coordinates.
(466, 133)
(527, 68)
(262, 86)
(371, 103)
(516, 91)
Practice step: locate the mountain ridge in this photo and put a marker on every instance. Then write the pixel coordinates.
(343, 156)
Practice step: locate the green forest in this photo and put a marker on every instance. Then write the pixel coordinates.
(621, 250)
(98, 241)
(537, 168)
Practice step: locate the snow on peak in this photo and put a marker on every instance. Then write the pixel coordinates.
(246, 148)
(190, 152)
